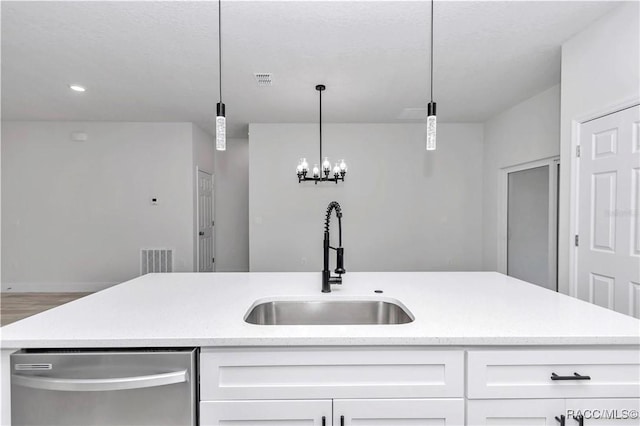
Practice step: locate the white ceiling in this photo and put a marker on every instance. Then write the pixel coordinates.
(157, 61)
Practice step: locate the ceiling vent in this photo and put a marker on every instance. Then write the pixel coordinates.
(264, 79)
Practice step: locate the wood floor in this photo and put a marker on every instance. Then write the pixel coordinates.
(16, 306)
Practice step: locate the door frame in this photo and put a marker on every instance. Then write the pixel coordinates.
(574, 188)
(503, 212)
(197, 218)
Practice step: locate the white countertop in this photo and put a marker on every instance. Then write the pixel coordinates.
(450, 308)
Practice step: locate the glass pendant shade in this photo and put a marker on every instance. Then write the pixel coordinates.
(221, 129)
(431, 133)
(431, 126)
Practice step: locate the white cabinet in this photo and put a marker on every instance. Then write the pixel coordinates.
(398, 412)
(553, 373)
(515, 412)
(535, 412)
(346, 412)
(265, 412)
(419, 386)
(560, 387)
(329, 372)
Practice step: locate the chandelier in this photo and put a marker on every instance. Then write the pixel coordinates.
(326, 173)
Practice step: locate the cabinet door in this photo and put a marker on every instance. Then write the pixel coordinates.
(398, 412)
(516, 412)
(604, 412)
(265, 412)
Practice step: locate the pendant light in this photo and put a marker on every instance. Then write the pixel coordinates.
(431, 106)
(318, 174)
(221, 121)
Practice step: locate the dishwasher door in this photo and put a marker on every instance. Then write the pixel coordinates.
(105, 388)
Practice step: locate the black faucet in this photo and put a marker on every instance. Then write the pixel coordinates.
(327, 279)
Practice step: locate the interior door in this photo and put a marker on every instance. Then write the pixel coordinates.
(528, 236)
(608, 258)
(516, 412)
(398, 412)
(205, 222)
(267, 413)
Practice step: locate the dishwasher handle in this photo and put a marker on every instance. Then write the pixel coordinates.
(97, 385)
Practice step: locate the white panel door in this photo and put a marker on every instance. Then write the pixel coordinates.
(267, 413)
(398, 412)
(608, 271)
(205, 222)
(516, 412)
(604, 412)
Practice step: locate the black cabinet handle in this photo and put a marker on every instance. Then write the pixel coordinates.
(341, 420)
(324, 421)
(575, 376)
(561, 420)
(579, 419)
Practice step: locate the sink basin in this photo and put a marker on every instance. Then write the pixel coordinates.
(327, 312)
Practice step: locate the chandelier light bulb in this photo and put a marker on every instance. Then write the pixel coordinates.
(299, 168)
(316, 170)
(336, 169)
(305, 165)
(326, 164)
(343, 166)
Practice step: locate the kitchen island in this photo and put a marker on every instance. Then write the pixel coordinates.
(477, 339)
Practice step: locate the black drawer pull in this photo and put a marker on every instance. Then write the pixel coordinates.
(579, 419)
(561, 420)
(341, 420)
(324, 421)
(575, 376)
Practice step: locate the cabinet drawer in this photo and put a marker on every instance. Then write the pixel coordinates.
(516, 412)
(298, 373)
(267, 413)
(528, 373)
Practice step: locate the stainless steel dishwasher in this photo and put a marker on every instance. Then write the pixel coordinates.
(106, 388)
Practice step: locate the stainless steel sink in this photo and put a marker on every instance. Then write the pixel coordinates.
(327, 312)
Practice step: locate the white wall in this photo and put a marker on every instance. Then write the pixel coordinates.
(232, 207)
(76, 214)
(600, 72)
(404, 208)
(526, 132)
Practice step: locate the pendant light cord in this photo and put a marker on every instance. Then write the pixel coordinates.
(431, 66)
(220, 45)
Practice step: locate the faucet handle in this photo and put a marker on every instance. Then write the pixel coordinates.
(340, 261)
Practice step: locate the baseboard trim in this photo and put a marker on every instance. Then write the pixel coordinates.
(48, 287)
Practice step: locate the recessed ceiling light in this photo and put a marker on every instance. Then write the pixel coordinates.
(77, 88)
